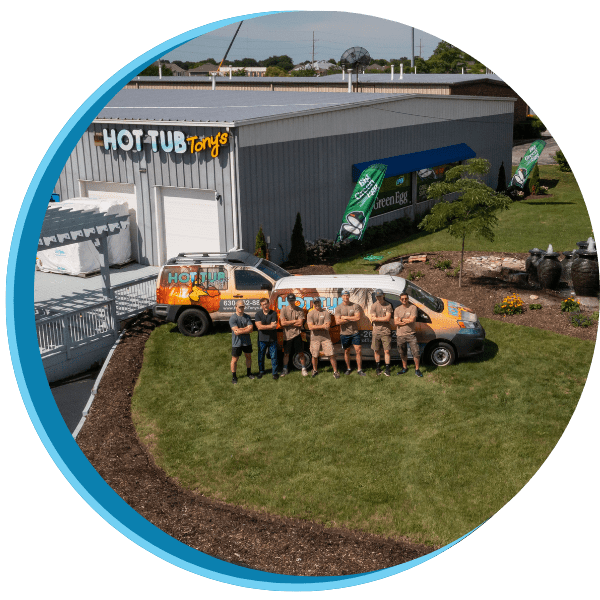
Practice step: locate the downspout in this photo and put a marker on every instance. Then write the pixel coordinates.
(234, 194)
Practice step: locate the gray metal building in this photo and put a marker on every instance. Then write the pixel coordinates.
(202, 170)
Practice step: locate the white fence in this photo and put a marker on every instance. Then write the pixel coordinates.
(65, 332)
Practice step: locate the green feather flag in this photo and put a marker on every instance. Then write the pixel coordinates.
(361, 203)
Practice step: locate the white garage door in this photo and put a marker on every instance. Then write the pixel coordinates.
(191, 221)
(99, 190)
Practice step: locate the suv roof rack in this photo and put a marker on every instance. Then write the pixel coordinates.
(235, 256)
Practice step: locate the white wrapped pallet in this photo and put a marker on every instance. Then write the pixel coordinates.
(83, 258)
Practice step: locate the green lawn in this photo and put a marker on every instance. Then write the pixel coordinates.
(428, 458)
(560, 220)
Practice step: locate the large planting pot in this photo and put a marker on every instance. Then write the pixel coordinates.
(531, 263)
(566, 265)
(549, 271)
(585, 273)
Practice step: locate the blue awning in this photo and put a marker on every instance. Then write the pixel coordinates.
(407, 163)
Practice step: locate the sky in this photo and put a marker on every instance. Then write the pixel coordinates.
(292, 34)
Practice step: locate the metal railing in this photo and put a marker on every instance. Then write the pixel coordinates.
(64, 332)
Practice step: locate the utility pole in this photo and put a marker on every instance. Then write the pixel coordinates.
(313, 54)
(412, 48)
(420, 55)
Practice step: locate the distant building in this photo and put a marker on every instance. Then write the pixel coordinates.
(250, 71)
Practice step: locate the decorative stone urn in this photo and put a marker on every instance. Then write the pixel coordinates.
(585, 245)
(585, 272)
(549, 269)
(531, 263)
(566, 264)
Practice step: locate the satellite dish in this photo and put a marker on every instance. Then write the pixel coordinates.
(354, 57)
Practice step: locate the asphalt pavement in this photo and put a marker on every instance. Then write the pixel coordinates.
(546, 158)
(71, 396)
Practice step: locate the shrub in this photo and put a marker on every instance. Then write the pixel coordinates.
(501, 185)
(535, 307)
(534, 180)
(578, 319)
(442, 265)
(570, 305)
(563, 164)
(260, 247)
(453, 273)
(298, 255)
(415, 276)
(511, 305)
(595, 315)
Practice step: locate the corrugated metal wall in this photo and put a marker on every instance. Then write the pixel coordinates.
(198, 171)
(313, 176)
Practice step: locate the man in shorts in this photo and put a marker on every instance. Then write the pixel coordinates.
(266, 323)
(405, 317)
(319, 321)
(291, 318)
(347, 315)
(241, 327)
(381, 316)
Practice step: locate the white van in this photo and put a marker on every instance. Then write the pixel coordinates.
(445, 329)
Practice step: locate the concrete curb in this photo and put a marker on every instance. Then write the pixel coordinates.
(88, 405)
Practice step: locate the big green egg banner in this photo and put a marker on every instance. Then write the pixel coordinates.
(527, 163)
(361, 203)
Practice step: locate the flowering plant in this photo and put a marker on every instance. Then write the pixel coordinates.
(511, 305)
(569, 305)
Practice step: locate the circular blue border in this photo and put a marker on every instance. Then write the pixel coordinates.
(43, 412)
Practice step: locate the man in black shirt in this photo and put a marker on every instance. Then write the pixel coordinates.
(266, 323)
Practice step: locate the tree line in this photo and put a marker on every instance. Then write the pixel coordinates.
(446, 58)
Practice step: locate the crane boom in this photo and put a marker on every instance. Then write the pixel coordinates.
(228, 49)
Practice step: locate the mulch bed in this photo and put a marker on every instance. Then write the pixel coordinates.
(259, 540)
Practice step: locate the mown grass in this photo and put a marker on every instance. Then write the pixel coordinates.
(428, 458)
(560, 220)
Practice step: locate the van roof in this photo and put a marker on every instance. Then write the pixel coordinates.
(340, 281)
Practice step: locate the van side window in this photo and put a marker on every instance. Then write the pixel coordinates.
(250, 280)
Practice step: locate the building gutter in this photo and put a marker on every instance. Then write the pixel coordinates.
(234, 195)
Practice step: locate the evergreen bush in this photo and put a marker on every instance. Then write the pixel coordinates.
(260, 247)
(501, 185)
(534, 181)
(563, 164)
(298, 255)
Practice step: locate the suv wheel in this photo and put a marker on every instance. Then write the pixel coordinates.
(193, 322)
(296, 359)
(441, 354)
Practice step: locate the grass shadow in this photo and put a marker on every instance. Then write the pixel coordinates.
(538, 203)
(549, 183)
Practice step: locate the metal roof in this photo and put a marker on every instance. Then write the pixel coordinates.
(236, 107)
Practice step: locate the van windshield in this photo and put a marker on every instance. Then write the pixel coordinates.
(431, 302)
(272, 270)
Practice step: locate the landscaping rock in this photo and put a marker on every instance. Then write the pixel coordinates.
(394, 268)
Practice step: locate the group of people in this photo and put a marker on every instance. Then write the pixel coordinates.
(318, 321)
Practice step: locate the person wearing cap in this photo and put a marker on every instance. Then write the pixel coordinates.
(318, 322)
(381, 315)
(241, 327)
(291, 318)
(266, 323)
(405, 318)
(347, 315)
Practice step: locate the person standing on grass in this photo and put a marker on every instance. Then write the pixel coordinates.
(291, 318)
(266, 323)
(381, 316)
(405, 317)
(241, 327)
(347, 315)
(319, 321)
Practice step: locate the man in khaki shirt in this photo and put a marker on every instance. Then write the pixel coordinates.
(347, 315)
(291, 318)
(381, 316)
(405, 317)
(318, 322)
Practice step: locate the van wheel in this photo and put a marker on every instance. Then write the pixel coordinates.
(441, 354)
(193, 322)
(296, 359)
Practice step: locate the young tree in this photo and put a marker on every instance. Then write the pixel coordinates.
(473, 213)
(297, 255)
(260, 248)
